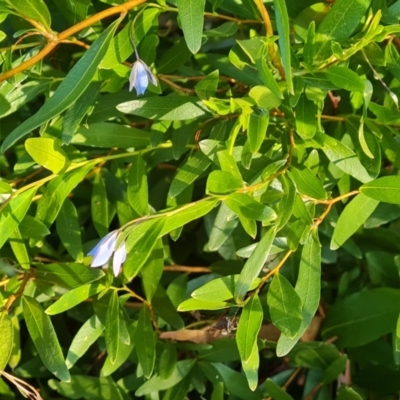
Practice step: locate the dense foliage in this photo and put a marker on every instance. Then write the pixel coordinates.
(199, 199)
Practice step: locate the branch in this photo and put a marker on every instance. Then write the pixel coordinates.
(51, 45)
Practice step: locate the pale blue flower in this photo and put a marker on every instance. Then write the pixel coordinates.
(140, 77)
(103, 251)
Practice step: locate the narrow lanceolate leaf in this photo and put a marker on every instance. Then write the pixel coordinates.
(306, 123)
(115, 328)
(254, 265)
(244, 205)
(85, 337)
(77, 111)
(99, 206)
(48, 153)
(71, 88)
(308, 184)
(19, 249)
(35, 10)
(275, 391)
(308, 288)
(332, 26)
(44, 338)
(192, 20)
(352, 217)
(14, 212)
(137, 186)
(344, 158)
(7, 339)
(257, 130)
(284, 306)
(285, 206)
(142, 249)
(57, 190)
(145, 336)
(69, 231)
(360, 318)
(250, 367)
(282, 22)
(385, 189)
(74, 297)
(249, 326)
(171, 108)
(187, 173)
(153, 269)
(345, 78)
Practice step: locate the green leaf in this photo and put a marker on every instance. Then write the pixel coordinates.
(156, 383)
(207, 87)
(137, 192)
(164, 308)
(153, 269)
(13, 213)
(176, 108)
(145, 337)
(285, 206)
(282, 23)
(266, 75)
(191, 170)
(264, 97)
(69, 231)
(88, 334)
(257, 130)
(19, 249)
(220, 289)
(67, 275)
(308, 184)
(124, 352)
(244, 204)
(249, 326)
(222, 228)
(345, 78)
(88, 387)
(284, 306)
(362, 317)
(250, 367)
(306, 123)
(56, 191)
(195, 304)
(142, 248)
(77, 111)
(308, 286)
(108, 134)
(335, 369)
(168, 361)
(344, 158)
(192, 20)
(74, 297)
(185, 214)
(222, 182)
(33, 9)
(348, 393)
(254, 265)
(99, 205)
(7, 339)
(275, 391)
(143, 23)
(385, 189)
(338, 25)
(116, 332)
(70, 89)
(45, 339)
(352, 217)
(48, 153)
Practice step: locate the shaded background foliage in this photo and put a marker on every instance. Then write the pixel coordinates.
(255, 188)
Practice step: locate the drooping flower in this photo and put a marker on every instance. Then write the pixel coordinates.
(140, 77)
(103, 251)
